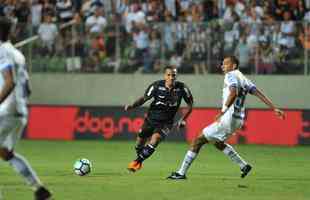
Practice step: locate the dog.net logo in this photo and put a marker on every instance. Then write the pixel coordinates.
(107, 124)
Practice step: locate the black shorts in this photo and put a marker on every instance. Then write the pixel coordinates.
(150, 127)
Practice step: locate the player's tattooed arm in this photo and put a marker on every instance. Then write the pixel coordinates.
(259, 94)
(140, 101)
(8, 84)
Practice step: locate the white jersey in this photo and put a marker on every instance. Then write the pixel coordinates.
(16, 102)
(243, 85)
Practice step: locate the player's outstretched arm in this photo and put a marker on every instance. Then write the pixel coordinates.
(269, 103)
(140, 101)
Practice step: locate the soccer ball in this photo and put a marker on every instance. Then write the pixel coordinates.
(82, 167)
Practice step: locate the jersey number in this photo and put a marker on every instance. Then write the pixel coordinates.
(240, 100)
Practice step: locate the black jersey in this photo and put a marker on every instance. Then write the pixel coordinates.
(166, 101)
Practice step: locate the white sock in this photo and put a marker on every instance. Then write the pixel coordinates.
(22, 167)
(234, 156)
(188, 159)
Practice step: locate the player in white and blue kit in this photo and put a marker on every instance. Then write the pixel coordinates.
(236, 87)
(14, 91)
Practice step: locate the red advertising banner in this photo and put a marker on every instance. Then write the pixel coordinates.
(82, 122)
(261, 127)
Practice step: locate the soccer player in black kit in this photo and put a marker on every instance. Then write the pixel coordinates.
(167, 95)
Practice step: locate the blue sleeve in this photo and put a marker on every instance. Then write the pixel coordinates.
(251, 87)
(5, 63)
(232, 80)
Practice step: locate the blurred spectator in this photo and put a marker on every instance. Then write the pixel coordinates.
(75, 47)
(2, 6)
(266, 57)
(228, 14)
(231, 34)
(9, 8)
(155, 46)
(97, 22)
(171, 7)
(300, 11)
(211, 10)
(130, 33)
(36, 14)
(185, 5)
(169, 29)
(217, 47)
(280, 7)
(154, 11)
(98, 3)
(304, 38)
(198, 49)
(288, 31)
(48, 7)
(77, 5)
(47, 33)
(196, 13)
(64, 10)
(142, 44)
(111, 38)
(134, 16)
(22, 12)
(122, 6)
(252, 23)
(268, 7)
(93, 63)
(182, 31)
(98, 45)
(86, 9)
(244, 53)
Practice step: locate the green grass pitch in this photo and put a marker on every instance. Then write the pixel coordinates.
(279, 173)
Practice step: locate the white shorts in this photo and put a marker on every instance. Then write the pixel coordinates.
(11, 129)
(222, 130)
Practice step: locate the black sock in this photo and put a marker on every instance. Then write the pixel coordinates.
(146, 152)
(139, 148)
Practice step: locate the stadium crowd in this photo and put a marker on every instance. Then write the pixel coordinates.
(142, 36)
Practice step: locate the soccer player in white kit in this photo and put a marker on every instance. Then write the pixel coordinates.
(14, 91)
(231, 118)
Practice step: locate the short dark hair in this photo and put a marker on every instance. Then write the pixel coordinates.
(5, 25)
(234, 60)
(169, 67)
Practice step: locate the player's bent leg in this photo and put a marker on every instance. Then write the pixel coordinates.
(22, 167)
(198, 143)
(140, 143)
(5, 154)
(220, 145)
(145, 153)
(149, 149)
(234, 156)
(189, 158)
